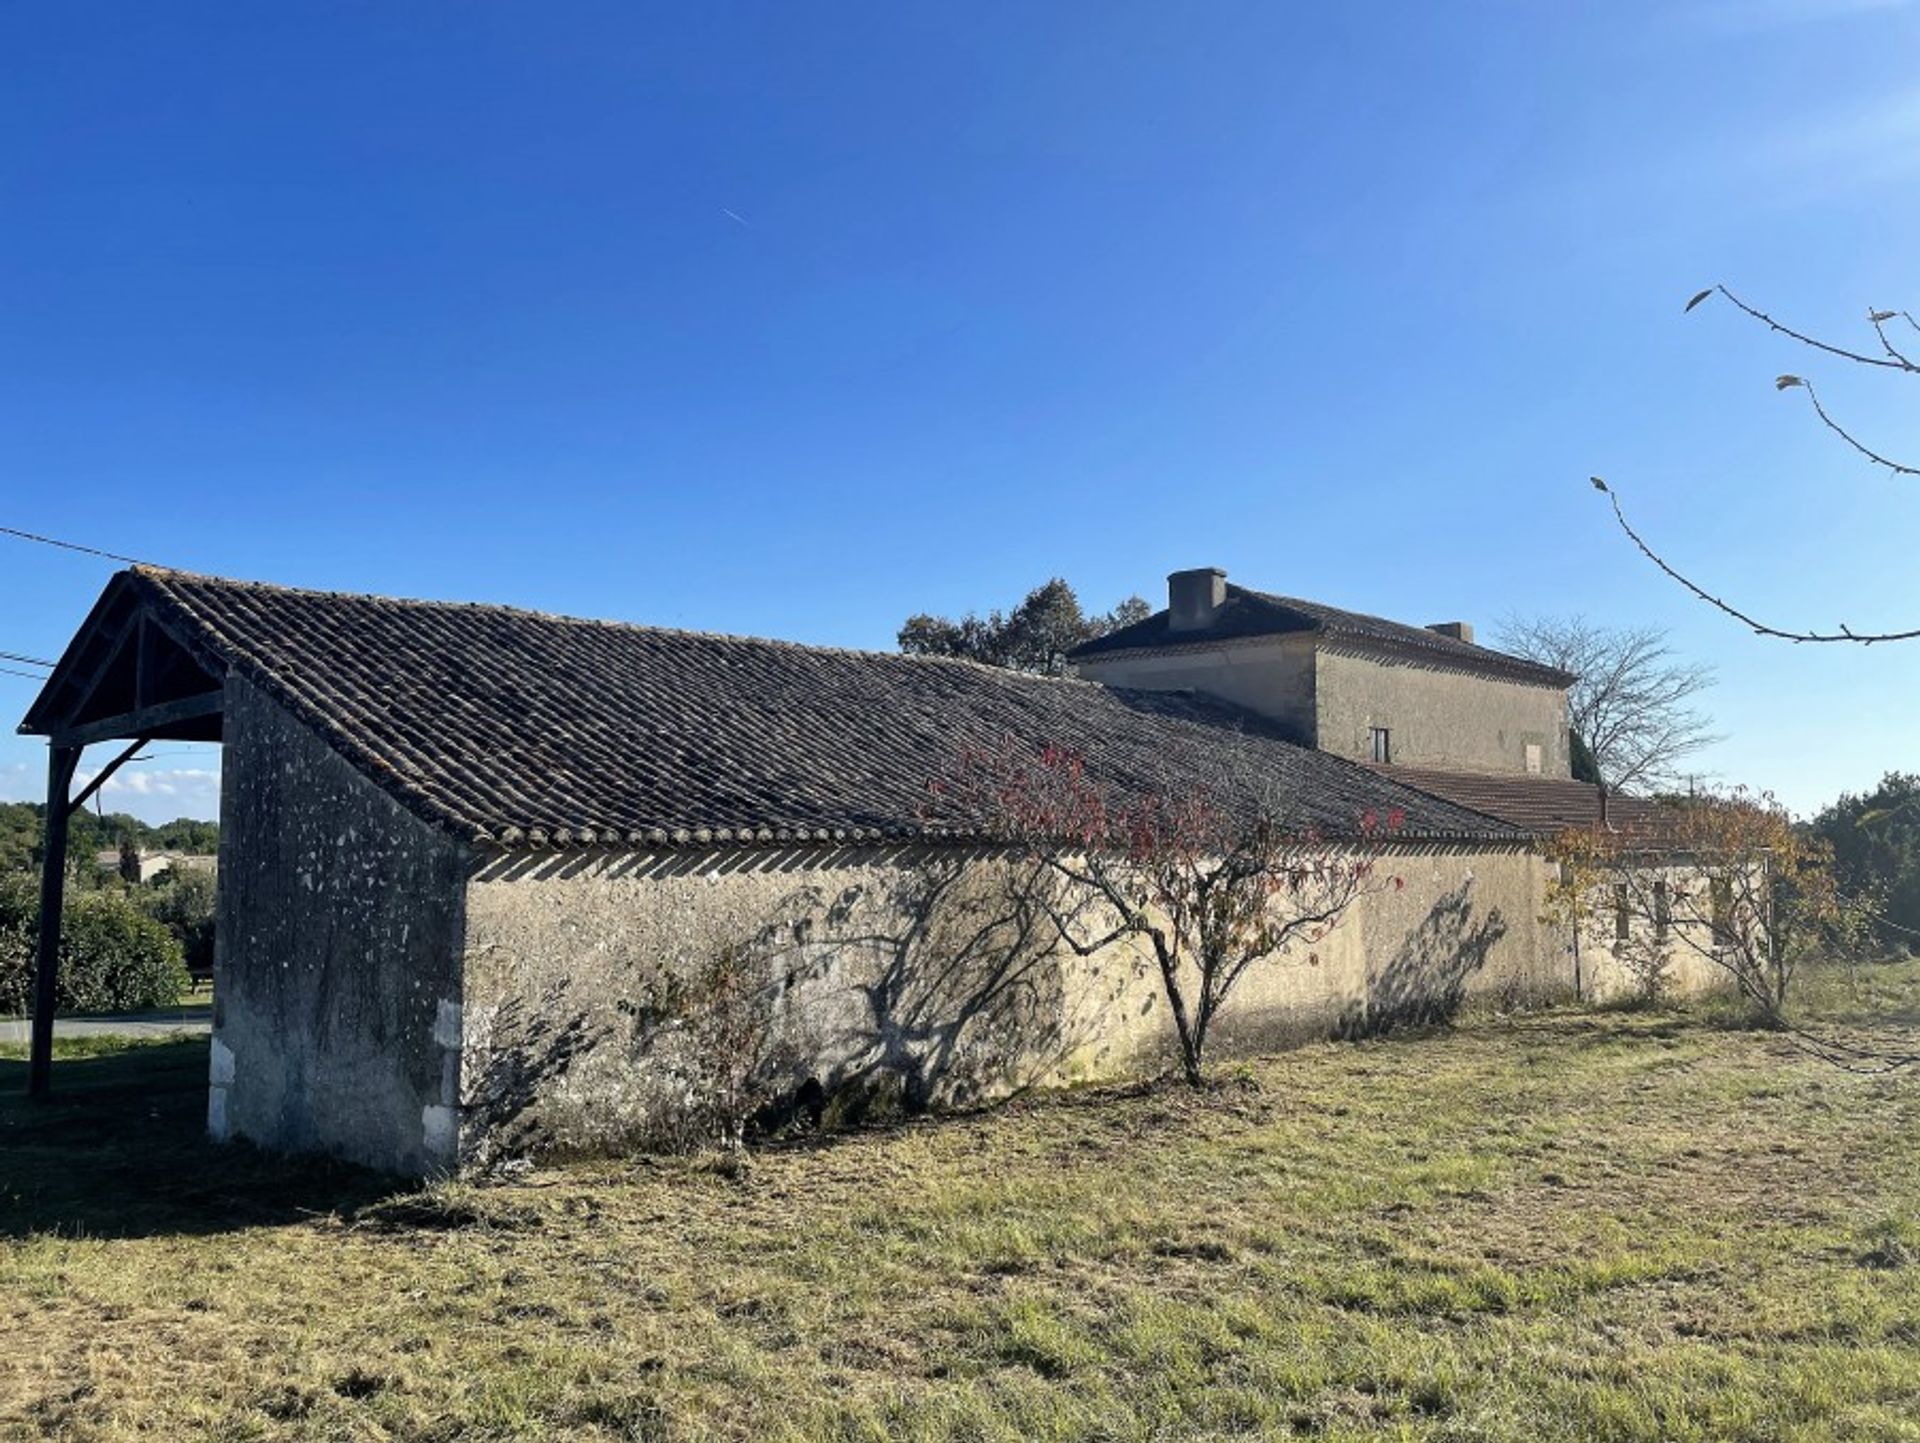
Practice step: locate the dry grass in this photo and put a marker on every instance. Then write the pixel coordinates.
(1626, 1226)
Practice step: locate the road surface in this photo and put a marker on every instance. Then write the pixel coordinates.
(175, 1021)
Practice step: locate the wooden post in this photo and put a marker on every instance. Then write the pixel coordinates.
(61, 762)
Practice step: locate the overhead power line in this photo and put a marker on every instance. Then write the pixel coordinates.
(70, 546)
(37, 538)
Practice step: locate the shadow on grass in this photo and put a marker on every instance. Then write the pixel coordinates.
(119, 1150)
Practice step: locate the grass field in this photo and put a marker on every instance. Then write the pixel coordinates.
(1612, 1226)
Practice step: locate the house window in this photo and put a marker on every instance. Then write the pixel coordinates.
(1533, 759)
(1382, 743)
(1622, 913)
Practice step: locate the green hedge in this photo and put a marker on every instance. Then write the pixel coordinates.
(113, 956)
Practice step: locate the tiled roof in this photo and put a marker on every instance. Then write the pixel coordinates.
(1541, 805)
(1247, 613)
(515, 726)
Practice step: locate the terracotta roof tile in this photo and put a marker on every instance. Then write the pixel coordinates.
(1541, 805)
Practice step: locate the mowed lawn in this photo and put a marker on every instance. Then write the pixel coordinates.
(1570, 1226)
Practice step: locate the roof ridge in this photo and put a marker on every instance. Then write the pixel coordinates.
(1446, 642)
(162, 573)
(1305, 616)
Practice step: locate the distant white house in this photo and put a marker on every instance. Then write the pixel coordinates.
(152, 864)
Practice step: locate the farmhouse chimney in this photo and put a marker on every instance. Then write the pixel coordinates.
(1195, 597)
(1458, 630)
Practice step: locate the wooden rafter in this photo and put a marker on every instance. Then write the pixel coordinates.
(105, 772)
(147, 722)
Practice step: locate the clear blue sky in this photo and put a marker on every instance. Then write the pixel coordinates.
(794, 319)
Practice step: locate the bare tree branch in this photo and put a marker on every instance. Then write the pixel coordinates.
(1892, 359)
(1878, 320)
(1892, 363)
(1759, 628)
(1801, 383)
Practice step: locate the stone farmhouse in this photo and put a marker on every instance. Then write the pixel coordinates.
(460, 843)
(1358, 687)
(146, 866)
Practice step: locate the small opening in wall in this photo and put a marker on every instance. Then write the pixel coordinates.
(1533, 759)
(1622, 913)
(1381, 742)
(1720, 894)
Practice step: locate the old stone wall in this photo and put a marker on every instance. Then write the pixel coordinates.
(336, 980)
(913, 976)
(1453, 720)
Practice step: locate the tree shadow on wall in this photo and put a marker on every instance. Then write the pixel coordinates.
(530, 1046)
(1425, 982)
(961, 992)
(933, 984)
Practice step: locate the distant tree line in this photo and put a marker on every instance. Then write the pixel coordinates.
(1875, 841)
(1035, 636)
(91, 833)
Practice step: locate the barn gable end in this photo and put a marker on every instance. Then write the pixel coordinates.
(337, 974)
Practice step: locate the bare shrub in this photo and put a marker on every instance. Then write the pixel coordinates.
(720, 1042)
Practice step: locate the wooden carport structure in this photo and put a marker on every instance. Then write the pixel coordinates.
(128, 675)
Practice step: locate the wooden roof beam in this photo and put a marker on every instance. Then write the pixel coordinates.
(145, 722)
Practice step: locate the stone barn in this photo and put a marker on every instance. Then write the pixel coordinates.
(464, 848)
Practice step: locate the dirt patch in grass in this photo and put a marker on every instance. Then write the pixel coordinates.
(1629, 1226)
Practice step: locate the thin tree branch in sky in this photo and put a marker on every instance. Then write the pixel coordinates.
(1885, 362)
(1878, 320)
(1786, 383)
(1759, 628)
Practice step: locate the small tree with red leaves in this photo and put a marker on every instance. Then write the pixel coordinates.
(1215, 883)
